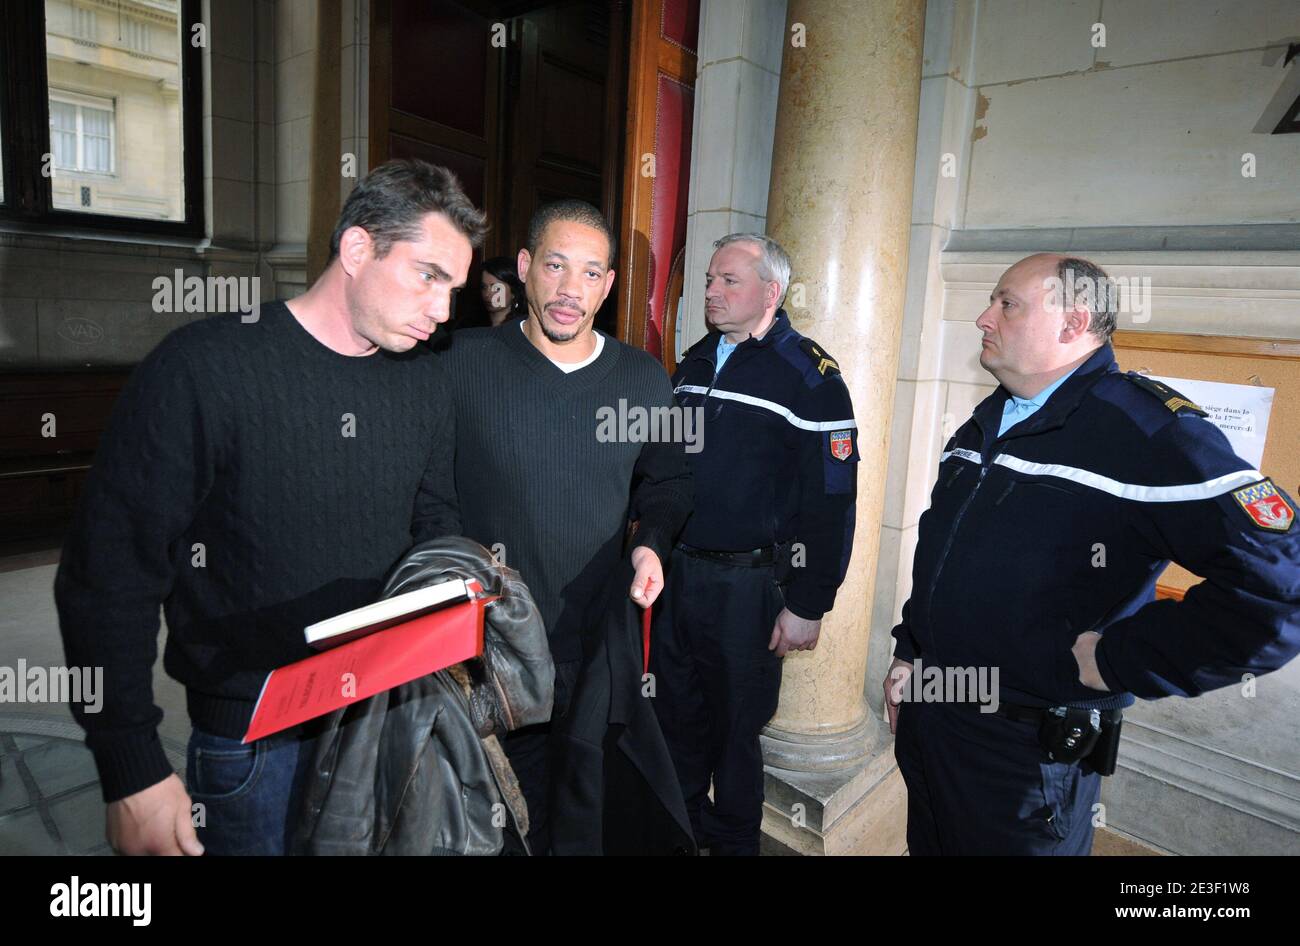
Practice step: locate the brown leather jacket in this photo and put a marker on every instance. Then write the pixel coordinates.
(417, 769)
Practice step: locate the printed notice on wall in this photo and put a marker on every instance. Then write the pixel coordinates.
(1239, 410)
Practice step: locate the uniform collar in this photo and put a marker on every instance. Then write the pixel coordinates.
(780, 325)
(707, 347)
(1060, 402)
(1039, 399)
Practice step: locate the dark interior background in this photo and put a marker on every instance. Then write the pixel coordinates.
(521, 126)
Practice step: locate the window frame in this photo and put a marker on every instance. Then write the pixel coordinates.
(25, 133)
(100, 103)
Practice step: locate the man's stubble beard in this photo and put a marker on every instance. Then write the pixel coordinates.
(367, 322)
(557, 337)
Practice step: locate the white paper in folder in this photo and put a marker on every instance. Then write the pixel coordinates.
(1239, 410)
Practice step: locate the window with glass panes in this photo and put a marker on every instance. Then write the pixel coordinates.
(81, 135)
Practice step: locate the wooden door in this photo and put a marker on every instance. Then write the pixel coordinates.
(564, 115)
(435, 79)
(524, 100)
(656, 171)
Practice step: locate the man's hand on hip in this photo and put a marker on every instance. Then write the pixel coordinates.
(649, 579)
(792, 632)
(156, 820)
(1085, 655)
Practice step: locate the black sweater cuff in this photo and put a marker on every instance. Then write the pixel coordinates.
(658, 528)
(803, 611)
(129, 763)
(904, 648)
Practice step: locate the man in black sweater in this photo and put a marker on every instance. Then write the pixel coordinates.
(543, 476)
(258, 475)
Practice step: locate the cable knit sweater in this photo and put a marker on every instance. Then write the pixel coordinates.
(251, 482)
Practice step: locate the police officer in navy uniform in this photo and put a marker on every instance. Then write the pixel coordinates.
(767, 546)
(1057, 507)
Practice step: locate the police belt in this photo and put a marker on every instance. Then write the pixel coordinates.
(1034, 714)
(754, 558)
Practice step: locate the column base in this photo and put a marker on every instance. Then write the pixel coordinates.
(856, 809)
(833, 752)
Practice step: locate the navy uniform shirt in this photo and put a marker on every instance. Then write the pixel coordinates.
(1063, 524)
(779, 457)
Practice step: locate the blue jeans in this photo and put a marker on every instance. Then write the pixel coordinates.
(249, 794)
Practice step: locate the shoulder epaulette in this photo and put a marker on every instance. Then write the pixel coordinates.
(1163, 392)
(824, 363)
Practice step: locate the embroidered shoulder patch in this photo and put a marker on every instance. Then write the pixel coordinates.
(1171, 398)
(841, 444)
(1266, 507)
(825, 364)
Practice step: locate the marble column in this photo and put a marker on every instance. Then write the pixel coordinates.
(840, 203)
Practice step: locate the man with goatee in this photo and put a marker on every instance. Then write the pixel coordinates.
(536, 481)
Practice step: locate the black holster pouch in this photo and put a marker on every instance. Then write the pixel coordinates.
(1069, 734)
(1104, 754)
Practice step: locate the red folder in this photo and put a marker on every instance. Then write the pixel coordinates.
(361, 668)
(645, 640)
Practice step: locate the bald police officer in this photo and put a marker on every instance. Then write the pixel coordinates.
(1057, 506)
(767, 546)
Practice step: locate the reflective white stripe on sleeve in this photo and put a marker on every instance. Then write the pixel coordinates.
(1143, 494)
(770, 406)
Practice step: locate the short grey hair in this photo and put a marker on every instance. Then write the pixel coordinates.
(773, 261)
(1089, 283)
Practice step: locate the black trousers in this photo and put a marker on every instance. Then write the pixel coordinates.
(981, 784)
(530, 751)
(716, 686)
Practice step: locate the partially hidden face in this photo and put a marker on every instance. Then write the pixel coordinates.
(496, 295)
(400, 299)
(567, 279)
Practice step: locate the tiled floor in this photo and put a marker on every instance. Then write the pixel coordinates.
(50, 802)
(49, 797)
